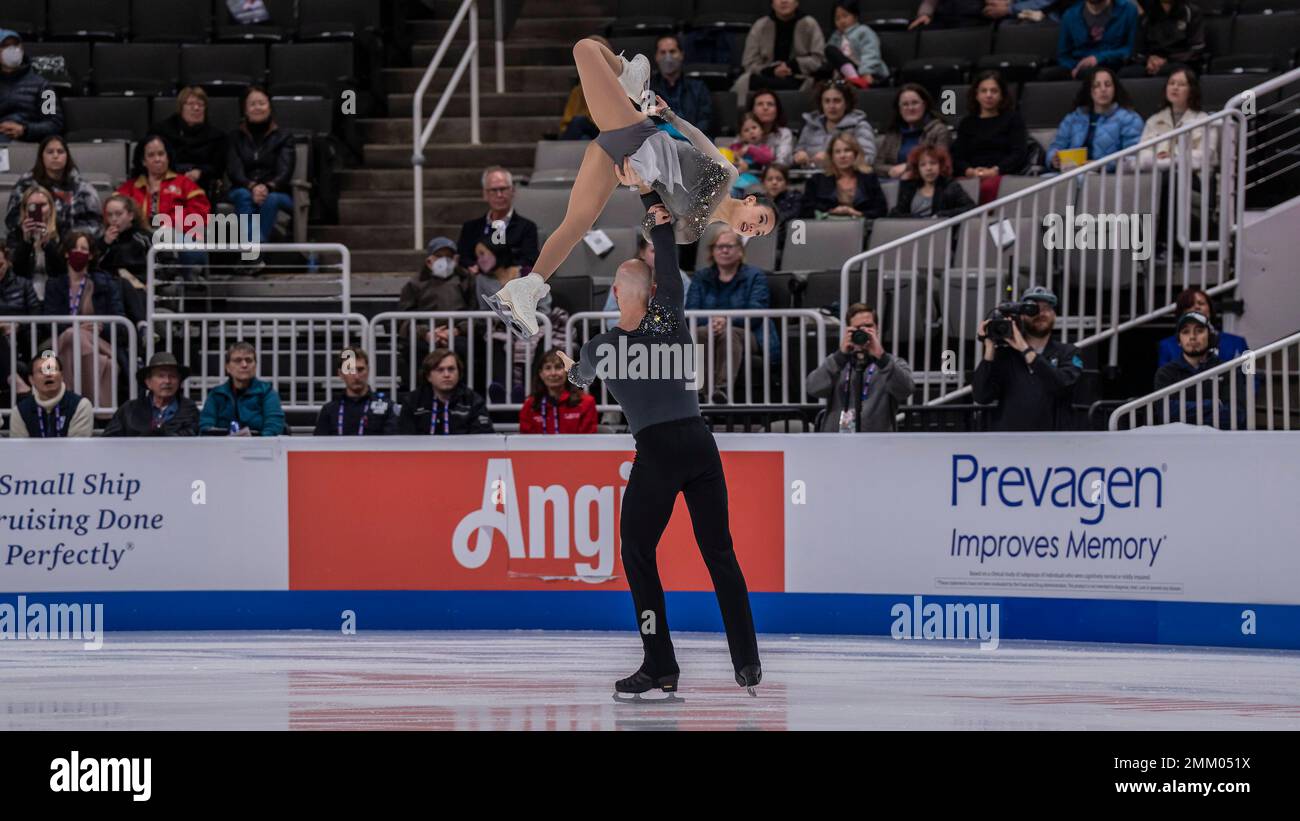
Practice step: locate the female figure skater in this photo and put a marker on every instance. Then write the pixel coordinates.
(675, 453)
(692, 179)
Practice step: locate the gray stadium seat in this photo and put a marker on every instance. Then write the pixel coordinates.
(226, 68)
(624, 210)
(336, 19)
(318, 69)
(105, 118)
(544, 206)
(66, 66)
(275, 30)
(890, 188)
(582, 262)
(87, 20)
(145, 69)
(307, 116)
(827, 244)
(28, 19)
(170, 21)
(1045, 104)
(108, 160)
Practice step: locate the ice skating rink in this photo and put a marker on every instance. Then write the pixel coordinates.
(520, 680)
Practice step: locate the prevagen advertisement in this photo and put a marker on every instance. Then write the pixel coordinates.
(1164, 516)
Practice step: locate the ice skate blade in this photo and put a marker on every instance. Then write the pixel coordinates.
(753, 691)
(507, 314)
(645, 698)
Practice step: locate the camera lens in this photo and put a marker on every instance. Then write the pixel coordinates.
(860, 337)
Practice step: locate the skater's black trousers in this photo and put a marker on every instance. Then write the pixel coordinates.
(672, 457)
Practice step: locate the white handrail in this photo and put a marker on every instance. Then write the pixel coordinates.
(57, 325)
(1149, 401)
(421, 131)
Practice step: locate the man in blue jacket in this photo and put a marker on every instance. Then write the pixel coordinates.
(243, 399)
(23, 93)
(687, 96)
(1094, 33)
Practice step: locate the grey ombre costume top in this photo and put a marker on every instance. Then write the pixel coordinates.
(647, 401)
(690, 178)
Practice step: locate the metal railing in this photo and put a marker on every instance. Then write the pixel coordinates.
(422, 131)
(83, 360)
(1273, 135)
(756, 378)
(1230, 403)
(299, 354)
(190, 291)
(944, 279)
(494, 358)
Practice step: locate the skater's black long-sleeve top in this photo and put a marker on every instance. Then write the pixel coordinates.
(651, 370)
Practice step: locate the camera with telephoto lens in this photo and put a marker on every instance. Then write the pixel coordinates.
(1001, 317)
(861, 339)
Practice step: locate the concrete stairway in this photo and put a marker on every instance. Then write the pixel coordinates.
(376, 212)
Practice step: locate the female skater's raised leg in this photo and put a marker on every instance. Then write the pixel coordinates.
(611, 109)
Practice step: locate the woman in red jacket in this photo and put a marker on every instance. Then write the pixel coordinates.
(167, 199)
(555, 406)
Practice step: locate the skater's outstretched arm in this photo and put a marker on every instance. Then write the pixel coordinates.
(669, 290)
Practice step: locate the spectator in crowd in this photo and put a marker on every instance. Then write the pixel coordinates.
(767, 109)
(23, 94)
(243, 405)
(37, 254)
(85, 291)
(123, 251)
(76, 204)
(359, 411)
(645, 251)
(687, 96)
(520, 232)
(51, 411)
(1094, 33)
(1198, 353)
(854, 49)
(441, 285)
(1032, 11)
(1194, 300)
(162, 411)
(776, 184)
(260, 163)
(728, 283)
(161, 196)
(555, 406)
(915, 122)
(930, 190)
(1031, 376)
(950, 14)
(576, 123)
(158, 190)
(845, 187)
(200, 148)
(1103, 120)
(1172, 33)
(752, 154)
(991, 138)
(17, 298)
(862, 383)
(495, 265)
(443, 405)
(835, 114)
(1182, 107)
(783, 51)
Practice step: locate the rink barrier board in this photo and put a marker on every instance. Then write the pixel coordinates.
(1277, 627)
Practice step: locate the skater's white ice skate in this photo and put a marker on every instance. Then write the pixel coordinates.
(635, 79)
(516, 303)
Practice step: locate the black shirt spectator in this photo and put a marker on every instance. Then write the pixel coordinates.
(521, 232)
(827, 194)
(443, 405)
(992, 135)
(1171, 32)
(1033, 377)
(199, 148)
(687, 96)
(17, 298)
(162, 411)
(22, 95)
(261, 153)
(36, 249)
(359, 411)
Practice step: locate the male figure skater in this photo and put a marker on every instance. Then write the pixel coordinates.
(675, 452)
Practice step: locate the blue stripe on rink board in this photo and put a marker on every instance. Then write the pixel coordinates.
(1095, 620)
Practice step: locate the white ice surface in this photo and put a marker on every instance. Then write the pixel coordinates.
(563, 680)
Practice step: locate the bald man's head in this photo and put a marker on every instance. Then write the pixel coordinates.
(633, 280)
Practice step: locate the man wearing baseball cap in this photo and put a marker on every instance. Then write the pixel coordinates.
(1197, 341)
(162, 411)
(441, 285)
(1030, 375)
(23, 95)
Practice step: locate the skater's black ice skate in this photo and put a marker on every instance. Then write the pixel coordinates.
(749, 676)
(632, 689)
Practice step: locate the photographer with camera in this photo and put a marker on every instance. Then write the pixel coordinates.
(862, 383)
(1029, 375)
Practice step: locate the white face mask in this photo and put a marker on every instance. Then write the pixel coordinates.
(11, 56)
(443, 267)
